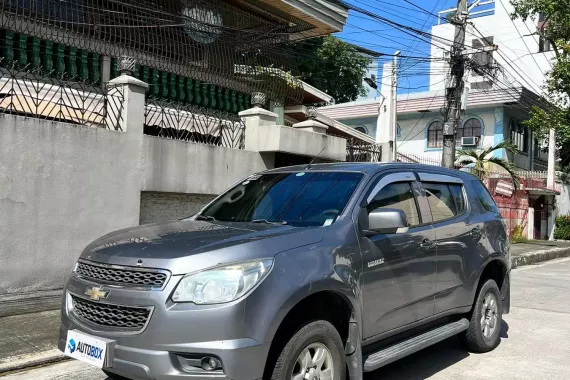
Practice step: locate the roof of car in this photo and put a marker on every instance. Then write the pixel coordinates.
(367, 168)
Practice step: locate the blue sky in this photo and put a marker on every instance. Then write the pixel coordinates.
(375, 35)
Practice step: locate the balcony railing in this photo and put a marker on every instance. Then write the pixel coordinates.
(480, 8)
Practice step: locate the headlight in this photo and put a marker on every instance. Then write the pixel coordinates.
(222, 284)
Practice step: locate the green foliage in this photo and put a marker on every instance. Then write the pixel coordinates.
(562, 230)
(481, 160)
(517, 234)
(556, 29)
(333, 66)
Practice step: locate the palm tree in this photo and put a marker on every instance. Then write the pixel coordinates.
(483, 161)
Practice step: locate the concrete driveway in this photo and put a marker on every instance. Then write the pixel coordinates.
(535, 344)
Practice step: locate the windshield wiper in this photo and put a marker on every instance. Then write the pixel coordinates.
(265, 221)
(205, 217)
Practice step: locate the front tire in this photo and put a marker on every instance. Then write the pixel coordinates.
(483, 334)
(314, 352)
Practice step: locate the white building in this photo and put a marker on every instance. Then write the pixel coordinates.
(500, 98)
(496, 106)
(521, 53)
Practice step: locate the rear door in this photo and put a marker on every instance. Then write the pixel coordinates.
(457, 232)
(399, 269)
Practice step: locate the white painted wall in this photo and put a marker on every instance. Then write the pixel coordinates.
(506, 35)
(414, 132)
(563, 201)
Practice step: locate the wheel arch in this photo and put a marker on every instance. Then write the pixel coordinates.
(498, 270)
(308, 306)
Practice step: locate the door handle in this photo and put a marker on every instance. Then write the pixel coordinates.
(427, 244)
(476, 233)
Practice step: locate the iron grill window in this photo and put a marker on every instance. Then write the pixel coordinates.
(122, 276)
(113, 316)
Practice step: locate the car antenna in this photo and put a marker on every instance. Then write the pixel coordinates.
(314, 159)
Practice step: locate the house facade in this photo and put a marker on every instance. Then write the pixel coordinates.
(115, 114)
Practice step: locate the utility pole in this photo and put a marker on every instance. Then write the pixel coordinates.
(394, 120)
(455, 86)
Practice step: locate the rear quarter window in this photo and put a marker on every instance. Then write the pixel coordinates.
(484, 197)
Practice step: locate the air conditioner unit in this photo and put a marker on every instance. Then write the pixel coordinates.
(469, 141)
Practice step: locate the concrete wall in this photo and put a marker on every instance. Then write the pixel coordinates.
(161, 207)
(62, 186)
(177, 167)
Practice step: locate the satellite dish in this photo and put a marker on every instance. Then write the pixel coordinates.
(203, 25)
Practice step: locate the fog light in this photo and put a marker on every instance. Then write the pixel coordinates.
(210, 364)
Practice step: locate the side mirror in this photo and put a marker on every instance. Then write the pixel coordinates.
(387, 221)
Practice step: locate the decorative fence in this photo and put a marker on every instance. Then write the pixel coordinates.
(361, 151)
(38, 93)
(174, 120)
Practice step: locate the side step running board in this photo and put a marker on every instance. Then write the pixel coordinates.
(415, 344)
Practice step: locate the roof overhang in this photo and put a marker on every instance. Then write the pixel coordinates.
(300, 113)
(432, 102)
(325, 16)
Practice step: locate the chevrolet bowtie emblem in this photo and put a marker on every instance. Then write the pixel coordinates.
(96, 293)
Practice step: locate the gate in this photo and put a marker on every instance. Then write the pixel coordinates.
(361, 151)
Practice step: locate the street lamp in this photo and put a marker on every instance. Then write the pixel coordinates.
(372, 83)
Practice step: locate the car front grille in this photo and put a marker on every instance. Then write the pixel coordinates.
(122, 276)
(111, 316)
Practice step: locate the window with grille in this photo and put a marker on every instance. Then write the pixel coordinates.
(543, 45)
(470, 128)
(435, 134)
(519, 135)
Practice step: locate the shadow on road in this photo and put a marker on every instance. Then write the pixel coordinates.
(428, 362)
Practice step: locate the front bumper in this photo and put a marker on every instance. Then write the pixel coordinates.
(175, 335)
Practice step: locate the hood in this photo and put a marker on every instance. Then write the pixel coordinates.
(187, 246)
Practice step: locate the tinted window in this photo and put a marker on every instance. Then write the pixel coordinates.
(440, 201)
(299, 199)
(398, 196)
(457, 193)
(483, 195)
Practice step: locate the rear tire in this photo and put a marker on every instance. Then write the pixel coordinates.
(315, 350)
(483, 334)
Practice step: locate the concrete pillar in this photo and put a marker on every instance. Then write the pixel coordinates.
(530, 226)
(551, 219)
(258, 116)
(127, 97)
(105, 69)
(312, 124)
(386, 114)
(551, 160)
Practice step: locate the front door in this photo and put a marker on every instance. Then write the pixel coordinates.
(399, 269)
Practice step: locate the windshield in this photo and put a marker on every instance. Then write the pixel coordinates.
(298, 199)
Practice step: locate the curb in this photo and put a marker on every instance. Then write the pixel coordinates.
(539, 257)
(21, 362)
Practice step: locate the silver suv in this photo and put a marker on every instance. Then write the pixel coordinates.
(301, 273)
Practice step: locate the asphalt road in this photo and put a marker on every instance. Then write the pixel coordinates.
(535, 340)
